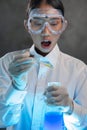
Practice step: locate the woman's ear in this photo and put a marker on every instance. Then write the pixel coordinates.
(25, 25)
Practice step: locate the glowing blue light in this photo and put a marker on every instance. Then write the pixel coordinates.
(53, 121)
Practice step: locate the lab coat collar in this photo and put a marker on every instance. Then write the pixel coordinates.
(52, 57)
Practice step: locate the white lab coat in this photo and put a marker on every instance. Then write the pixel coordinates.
(25, 110)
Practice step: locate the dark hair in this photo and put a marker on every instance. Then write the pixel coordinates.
(57, 4)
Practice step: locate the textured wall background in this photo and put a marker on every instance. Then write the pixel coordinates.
(14, 37)
(74, 40)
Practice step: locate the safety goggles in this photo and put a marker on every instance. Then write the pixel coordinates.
(52, 19)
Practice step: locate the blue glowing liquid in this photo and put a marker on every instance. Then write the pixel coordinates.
(53, 121)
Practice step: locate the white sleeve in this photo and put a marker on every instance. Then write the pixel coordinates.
(14, 96)
(9, 114)
(11, 100)
(78, 119)
(11, 106)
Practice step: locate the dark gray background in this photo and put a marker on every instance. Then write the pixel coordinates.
(14, 37)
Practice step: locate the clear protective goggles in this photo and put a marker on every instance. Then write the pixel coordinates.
(50, 18)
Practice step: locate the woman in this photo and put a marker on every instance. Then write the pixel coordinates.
(26, 75)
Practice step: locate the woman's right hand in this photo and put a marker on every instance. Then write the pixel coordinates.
(19, 69)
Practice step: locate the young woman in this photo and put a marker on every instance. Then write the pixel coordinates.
(25, 76)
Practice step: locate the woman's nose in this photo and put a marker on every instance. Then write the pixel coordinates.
(46, 30)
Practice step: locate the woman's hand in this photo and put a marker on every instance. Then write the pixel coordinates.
(59, 96)
(19, 69)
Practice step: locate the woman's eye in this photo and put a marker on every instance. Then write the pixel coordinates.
(37, 23)
(54, 23)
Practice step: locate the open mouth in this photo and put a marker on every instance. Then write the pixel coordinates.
(46, 43)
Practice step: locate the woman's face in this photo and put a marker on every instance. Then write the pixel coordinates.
(45, 40)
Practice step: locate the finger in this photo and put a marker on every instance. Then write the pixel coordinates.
(51, 100)
(18, 70)
(55, 99)
(61, 103)
(23, 61)
(23, 68)
(23, 53)
(54, 93)
(13, 66)
(52, 88)
(47, 94)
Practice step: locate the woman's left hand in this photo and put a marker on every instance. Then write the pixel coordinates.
(59, 96)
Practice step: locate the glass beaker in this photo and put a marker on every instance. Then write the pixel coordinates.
(53, 118)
